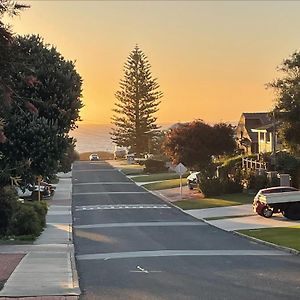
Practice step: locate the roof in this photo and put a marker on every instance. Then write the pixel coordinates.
(264, 118)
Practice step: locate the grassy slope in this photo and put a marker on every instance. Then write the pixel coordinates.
(157, 177)
(219, 201)
(284, 236)
(166, 184)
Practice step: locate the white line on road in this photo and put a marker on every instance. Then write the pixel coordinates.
(107, 193)
(143, 224)
(120, 206)
(96, 170)
(104, 183)
(168, 253)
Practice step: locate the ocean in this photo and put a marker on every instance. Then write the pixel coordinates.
(96, 137)
(93, 137)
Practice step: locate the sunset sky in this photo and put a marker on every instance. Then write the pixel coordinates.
(212, 59)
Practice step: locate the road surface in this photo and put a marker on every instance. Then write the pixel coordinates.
(131, 245)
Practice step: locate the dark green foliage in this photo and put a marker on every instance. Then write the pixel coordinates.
(8, 205)
(155, 166)
(137, 102)
(216, 186)
(195, 143)
(69, 157)
(41, 209)
(257, 182)
(26, 221)
(44, 105)
(211, 186)
(287, 109)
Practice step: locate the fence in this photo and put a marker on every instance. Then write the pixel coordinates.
(248, 163)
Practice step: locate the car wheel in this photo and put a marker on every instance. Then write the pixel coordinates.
(267, 212)
(292, 212)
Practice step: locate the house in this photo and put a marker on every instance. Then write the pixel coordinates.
(267, 138)
(247, 140)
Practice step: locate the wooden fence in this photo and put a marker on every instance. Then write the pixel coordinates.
(248, 163)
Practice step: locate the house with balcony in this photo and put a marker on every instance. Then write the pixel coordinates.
(247, 140)
(268, 138)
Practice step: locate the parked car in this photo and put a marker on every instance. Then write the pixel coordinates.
(94, 156)
(280, 199)
(47, 186)
(192, 180)
(30, 192)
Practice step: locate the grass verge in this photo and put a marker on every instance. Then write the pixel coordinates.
(132, 170)
(283, 236)
(166, 184)
(17, 240)
(157, 177)
(219, 201)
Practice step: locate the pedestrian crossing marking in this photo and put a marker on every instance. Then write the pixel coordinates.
(121, 206)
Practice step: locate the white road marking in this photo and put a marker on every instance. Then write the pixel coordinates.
(96, 170)
(142, 270)
(143, 224)
(168, 253)
(107, 193)
(104, 183)
(121, 206)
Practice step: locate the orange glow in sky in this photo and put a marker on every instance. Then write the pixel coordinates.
(212, 59)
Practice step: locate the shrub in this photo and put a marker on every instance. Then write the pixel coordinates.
(41, 209)
(8, 205)
(257, 182)
(210, 186)
(155, 166)
(26, 221)
(232, 186)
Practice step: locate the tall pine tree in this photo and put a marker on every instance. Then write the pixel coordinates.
(137, 102)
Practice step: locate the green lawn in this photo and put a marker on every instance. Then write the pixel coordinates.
(166, 184)
(283, 236)
(218, 201)
(157, 177)
(132, 170)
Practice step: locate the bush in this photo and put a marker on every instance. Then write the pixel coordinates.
(41, 209)
(257, 182)
(26, 221)
(232, 187)
(155, 166)
(210, 186)
(8, 205)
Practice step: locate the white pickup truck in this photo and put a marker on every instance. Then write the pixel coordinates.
(279, 199)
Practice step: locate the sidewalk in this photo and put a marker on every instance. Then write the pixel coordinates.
(229, 218)
(47, 271)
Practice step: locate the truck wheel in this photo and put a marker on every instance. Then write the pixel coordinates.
(293, 212)
(267, 212)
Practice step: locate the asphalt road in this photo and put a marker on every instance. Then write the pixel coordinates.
(131, 245)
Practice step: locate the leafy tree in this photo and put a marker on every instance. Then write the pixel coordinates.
(137, 102)
(195, 143)
(287, 109)
(44, 107)
(7, 63)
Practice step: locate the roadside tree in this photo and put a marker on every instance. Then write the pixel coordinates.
(137, 102)
(195, 143)
(287, 109)
(44, 106)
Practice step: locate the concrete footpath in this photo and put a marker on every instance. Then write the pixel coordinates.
(232, 218)
(47, 271)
